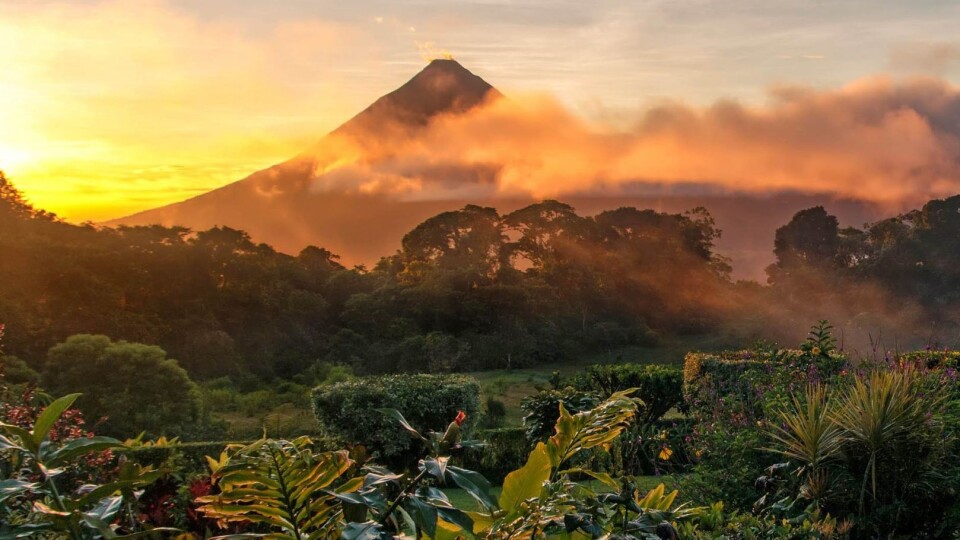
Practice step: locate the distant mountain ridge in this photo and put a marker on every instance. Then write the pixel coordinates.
(303, 201)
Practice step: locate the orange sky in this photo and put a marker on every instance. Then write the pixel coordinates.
(117, 107)
(110, 107)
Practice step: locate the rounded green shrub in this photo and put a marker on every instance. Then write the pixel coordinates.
(349, 412)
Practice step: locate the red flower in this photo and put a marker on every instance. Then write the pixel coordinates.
(461, 416)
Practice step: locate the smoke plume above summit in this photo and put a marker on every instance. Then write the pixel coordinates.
(877, 139)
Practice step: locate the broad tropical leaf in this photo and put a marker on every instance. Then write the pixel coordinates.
(597, 427)
(51, 413)
(280, 484)
(527, 481)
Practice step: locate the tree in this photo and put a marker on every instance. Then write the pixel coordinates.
(811, 238)
(541, 226)
(468, 240)
(131, 386)
(13, 205)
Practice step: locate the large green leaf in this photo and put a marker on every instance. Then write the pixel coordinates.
(527, 481)
(424, 515)
(49, 417)
(15, 487)
(473, 483)
(106, 509)
(25, 437)
(78, 447)
(368, 530)
(435, 467)
(396, 415)
(8, 444)
(456, 517)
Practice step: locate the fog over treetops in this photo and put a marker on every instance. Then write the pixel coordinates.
(447, 138)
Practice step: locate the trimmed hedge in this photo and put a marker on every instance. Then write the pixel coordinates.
(347, 411)
(660, 387)
(933, 359)
(506, 450)
(745, 384)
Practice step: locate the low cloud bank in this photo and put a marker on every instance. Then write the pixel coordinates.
(876, 139)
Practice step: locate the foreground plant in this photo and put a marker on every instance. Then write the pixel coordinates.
(873, 448)
(93, 511)
(286, 490)
(539, 499)
(543, 498)
(279, 484)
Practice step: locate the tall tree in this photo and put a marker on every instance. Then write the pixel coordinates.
(810, 240)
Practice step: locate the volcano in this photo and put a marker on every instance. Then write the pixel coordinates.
(346, 192)
(301, 201)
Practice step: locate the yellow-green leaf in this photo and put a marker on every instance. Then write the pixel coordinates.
(527, 481)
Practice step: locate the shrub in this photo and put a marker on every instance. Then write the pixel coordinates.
(543, 409)
(875, 449)
(131, 386)
(16, 371)
(659, 387)
(348, 410)
(494, 413)
(506, 450)
(732, 396)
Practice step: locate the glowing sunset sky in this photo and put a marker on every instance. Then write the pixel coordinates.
(113, 107)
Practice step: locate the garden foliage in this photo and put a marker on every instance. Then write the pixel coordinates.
(732, 397)
(659, 387)
(347, 410)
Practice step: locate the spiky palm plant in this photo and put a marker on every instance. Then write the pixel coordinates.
(809, 434)
(881, 413)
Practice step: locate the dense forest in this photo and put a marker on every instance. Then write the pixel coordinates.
(468, 290)
(823, 441)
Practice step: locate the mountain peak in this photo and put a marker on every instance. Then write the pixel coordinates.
(439, 66)
(443, 86)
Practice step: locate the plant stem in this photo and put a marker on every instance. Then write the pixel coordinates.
(403, 493)
(61, 506)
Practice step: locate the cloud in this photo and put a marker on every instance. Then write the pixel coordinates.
(927, 58)
(876, 139)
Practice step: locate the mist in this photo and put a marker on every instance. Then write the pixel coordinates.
(893, 142)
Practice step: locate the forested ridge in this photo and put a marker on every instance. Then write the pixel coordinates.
(468, 290)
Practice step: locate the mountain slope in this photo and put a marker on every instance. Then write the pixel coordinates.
(282, 205)
(336, 194)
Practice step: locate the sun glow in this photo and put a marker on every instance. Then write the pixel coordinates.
(110, 108)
